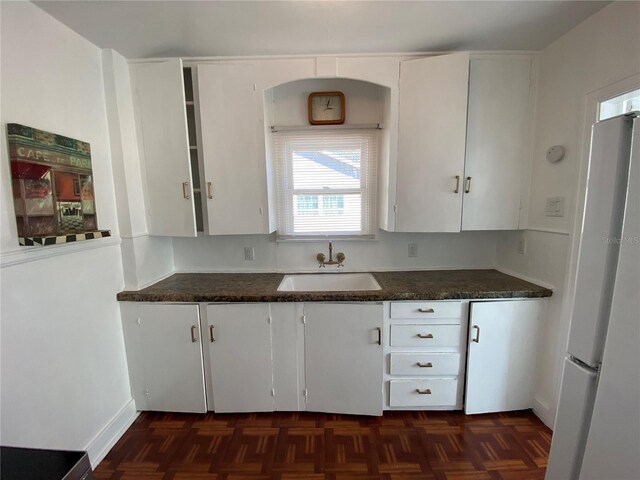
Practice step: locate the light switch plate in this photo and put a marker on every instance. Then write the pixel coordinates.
(554, 207)
(249, 253)
(413, 250)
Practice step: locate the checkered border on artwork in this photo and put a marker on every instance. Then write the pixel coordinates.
(60, 239)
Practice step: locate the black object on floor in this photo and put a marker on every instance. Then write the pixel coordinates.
(35, 464)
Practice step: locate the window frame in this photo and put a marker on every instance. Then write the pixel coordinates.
(286, 192)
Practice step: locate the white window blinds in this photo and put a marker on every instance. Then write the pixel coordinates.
(326, 183)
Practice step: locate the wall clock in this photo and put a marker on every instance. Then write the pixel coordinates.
(326, 108)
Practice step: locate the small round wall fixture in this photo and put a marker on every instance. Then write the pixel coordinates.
(555, 153)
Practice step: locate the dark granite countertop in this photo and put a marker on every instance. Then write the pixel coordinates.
(407, 285)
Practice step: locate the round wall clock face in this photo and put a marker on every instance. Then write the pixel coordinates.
(326, 108)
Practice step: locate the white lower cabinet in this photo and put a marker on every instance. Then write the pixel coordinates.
(164, 354)
(503, 343)
(343, 356)
(431, 392)
(425, 355)
(355, 358)
(241, 367)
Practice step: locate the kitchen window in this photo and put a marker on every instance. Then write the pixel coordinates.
(326, 183)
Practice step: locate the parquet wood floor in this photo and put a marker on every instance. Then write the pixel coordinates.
(313, 446)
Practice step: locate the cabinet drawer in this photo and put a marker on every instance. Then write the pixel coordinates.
(434, 392)
(418, 335)
(419, 364)
(427, 310)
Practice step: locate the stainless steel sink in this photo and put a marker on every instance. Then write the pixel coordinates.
(329, 282)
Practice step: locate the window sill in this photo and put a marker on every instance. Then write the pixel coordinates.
(328, 238)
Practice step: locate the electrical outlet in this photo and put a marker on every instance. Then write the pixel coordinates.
(413, 249)
(522, 246)
(249, 253)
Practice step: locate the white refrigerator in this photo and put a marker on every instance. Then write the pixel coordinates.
(597, 431)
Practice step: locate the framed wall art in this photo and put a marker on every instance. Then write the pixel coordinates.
(52, 182)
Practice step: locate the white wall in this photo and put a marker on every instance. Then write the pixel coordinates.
(146, 259)
(596, 53)
(363, 100)
(64, 381)
(389, 252)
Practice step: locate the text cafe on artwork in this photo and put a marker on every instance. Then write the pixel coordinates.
(52, 183)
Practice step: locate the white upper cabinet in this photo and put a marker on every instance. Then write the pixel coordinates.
(431, 143)
(234, 179)
(498, 132)
(160, 97)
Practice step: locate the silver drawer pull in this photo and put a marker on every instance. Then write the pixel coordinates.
(426, 310)
(422, 335)
(425, 365)
(194, 339)
(426, 391)
(211, 334)
(185, 187)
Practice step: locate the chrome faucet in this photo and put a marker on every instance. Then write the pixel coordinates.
(340, 257)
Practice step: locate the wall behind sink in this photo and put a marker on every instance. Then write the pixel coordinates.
(388, 252)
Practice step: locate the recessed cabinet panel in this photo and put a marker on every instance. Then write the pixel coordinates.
(498, 134)
(164, 355)
(431, 143)
(343, 353)
(421, 364)
(501, 360)
(239, 339)
(432, 392)
(234, 179)
(427, 310)
(425, 336)
(161, 109)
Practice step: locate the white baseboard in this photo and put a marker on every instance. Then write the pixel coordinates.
(111, 433)
(543, 412)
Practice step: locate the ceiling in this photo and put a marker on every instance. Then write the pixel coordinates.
(139, 29)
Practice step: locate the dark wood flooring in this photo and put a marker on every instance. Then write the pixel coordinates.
(312, 446)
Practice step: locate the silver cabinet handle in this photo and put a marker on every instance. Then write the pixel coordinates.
(426, 391)
(379, 335)
(209, 190)
(468, 189)
(457, 190)
(477, 338)
(425, 365)
(423, 335)
(211, 334)
(185, 186)
(194, 338)
(426, 310)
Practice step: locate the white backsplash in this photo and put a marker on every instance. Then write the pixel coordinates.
(388, 252)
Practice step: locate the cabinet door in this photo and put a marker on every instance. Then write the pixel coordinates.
(235, 175)
(164, 354)
(431, 143)
(240, 351)
(497, 141)
(343, 354)
(501, 361)
(163, 128)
